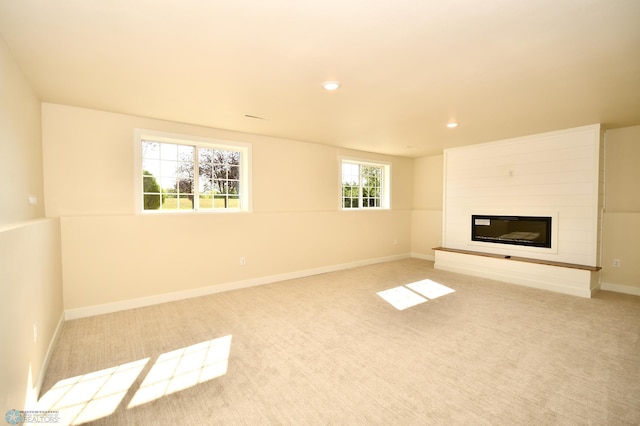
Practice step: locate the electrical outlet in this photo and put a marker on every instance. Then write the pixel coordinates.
(616, 263)
(35, 332)
(243, 261)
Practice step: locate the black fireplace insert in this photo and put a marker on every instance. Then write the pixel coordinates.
(533, 231)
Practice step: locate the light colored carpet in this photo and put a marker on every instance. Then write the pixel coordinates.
(328, 350)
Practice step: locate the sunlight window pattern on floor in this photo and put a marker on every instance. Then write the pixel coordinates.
(91, 396)
(183, 368)
(403, 297)
(98, 394)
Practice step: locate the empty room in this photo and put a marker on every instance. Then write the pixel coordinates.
(320, 212)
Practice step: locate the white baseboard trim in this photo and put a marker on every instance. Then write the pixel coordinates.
(620, 288)
(423, 256)
(106, 308)
(47, 356)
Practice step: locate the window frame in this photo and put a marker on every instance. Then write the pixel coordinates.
(197, 142)
(385, 186)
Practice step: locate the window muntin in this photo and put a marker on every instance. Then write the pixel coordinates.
(364, 185)
(189, 175)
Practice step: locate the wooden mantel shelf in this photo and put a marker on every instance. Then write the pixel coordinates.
(521, 259)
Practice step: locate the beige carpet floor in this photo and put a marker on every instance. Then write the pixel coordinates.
(327, 349)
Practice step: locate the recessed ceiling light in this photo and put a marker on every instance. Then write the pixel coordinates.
(331, 85)
(452, 125)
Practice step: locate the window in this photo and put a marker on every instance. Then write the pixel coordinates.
(179, 173)
(365, 185)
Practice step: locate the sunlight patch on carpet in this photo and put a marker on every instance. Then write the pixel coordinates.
(401, 297)
(97, 395)
(91, 396)
(430, 289)
(184, 368)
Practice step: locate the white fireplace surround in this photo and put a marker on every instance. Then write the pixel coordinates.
(556, 174)
(570, 279)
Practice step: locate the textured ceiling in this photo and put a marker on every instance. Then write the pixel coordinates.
(502, 68)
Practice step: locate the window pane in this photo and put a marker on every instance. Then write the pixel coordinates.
(219, 171)
(168, 168)
(168, 151)
(220, 186)
(233, 186)
(184, 170)
(150, 184)
(185, 186)
(205, 201)
(151, 201)
(234, 172)
(185, 202)
(205, 163)
(170, 202)
(350, 173)
(150, 150)
(220, 202)
(185, 152)
(151, 166)
(222, 157)
(205, 154)
(349, 191)
(235, 158)
(218, 157)
(234, 202)
(205, 185)
(168, 184)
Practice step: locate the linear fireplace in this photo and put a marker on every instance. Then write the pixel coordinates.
(531, 231)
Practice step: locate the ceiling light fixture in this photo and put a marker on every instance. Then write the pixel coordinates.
(452, 125)
(331, 85)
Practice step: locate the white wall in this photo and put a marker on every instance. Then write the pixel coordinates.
(31, 286)
(20, 144)
(621, 224)
(553, 174)
(426, 218)
(30, 267)
(111, 255)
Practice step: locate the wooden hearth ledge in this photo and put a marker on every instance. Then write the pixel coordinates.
(521, 259)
